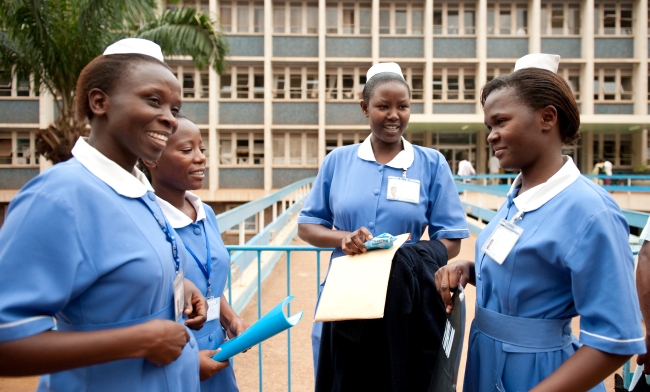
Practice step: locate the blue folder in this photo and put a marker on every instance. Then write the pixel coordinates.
(270, 325)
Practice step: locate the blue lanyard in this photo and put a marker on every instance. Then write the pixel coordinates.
(208, 265)
(164, 226)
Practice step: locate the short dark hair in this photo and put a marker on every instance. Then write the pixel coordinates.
(538, 88)
(103, 72)
(381, 78)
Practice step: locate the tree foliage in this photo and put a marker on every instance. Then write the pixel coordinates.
(53, 40)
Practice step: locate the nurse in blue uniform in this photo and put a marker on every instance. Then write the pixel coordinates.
(353, 190)
(556, 249)
(86, 248)
(181, 167)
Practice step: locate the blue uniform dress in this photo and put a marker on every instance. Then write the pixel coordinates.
(80, 246)
(572, 259)
(350, 191)
(194, 234)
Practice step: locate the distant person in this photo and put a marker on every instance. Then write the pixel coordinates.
(494, 168)
(607, 166)
(556, 249)
(599, 169)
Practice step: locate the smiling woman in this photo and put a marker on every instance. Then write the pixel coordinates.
(107, 266)
(352, 193)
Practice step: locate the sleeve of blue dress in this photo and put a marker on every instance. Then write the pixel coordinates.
(42, 262)
(316, 209)
(445, 213)
(602, 279)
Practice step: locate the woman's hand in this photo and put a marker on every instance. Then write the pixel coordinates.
(450, 276)
(196, 306)
(208, 367)
(352, 244)
(236, 327)
(166, 341)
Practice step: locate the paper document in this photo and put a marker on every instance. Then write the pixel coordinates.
(270, 325)
(356, 285)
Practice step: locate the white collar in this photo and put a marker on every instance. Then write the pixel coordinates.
(403, 160)
(537, 196)
(132, 185)
(177, 218)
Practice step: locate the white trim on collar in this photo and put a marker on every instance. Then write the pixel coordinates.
(539, 195)
(177, 218)
(403, 160)
(132, 185)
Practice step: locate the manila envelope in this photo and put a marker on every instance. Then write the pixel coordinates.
(356, 285)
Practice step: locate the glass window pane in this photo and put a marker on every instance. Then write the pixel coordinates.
(384, 21)
(226, 86)
(278, 19)
(522, 20)
(348, 86)
(469, 20)
(242, 85)
(453, 21)
(452, 87)
(437, 19)
(490, 19)
(296, 18)
(332, 16)
(312, 86)
(626, 87)
(312, 18)
(188, 85)
(23, 151)
(437, 87)
(610, 19)
(312, 149)
(626, 20)
(295, 149)
(544, 20)
(296, 86)
(609, 87)
(596, 88)
(348, 18)
(242, 18)
(417, 87)
(505, 22)
(278, 149)
(278, 86)
(470, 87)
(400, 21)
(258, 20)
(364, 21)
(574, 84)
(417, 21)
(574, 19)
(226, 19)
(557, 19)
(331, 88)
(5, 83)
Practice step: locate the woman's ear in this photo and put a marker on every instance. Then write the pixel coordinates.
(150, 164)
(98, 102)
(364, 108)
(549, 118)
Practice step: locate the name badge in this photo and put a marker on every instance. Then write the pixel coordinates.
(502, 240)
(403, 189)
(214, 308)
(179, 295)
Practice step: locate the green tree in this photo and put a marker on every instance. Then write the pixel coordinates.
(55, 39)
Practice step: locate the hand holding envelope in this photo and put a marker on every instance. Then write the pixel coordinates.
(356, 285)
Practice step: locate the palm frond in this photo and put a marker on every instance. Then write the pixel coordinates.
(186, 31)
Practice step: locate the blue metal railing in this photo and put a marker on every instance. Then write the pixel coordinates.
(619, 182)
(288, 250)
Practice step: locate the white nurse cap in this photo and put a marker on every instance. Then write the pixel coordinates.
(383, 67)
(545, 61)
(135, 46)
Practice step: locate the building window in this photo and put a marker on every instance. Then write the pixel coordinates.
(344, 84)
(195, 83)
(17, 148)
(401, 19)
(507, 19)
(614, 147)
(293, 149)
(498, 71)
(560, 19)
(15, 85)
(203, 5)
(572, 77)
(241, 16)
(415, 79)
(334, 139)
(241, 148)
(454, 84)
(454, 19)
(613, 18)
(295, 83)
(293, 17)
(348, 18)
(242, 83)
(613, 85)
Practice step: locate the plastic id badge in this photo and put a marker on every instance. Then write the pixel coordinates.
(179, 295)
(403, 189)
(502, 240)
(214, 308)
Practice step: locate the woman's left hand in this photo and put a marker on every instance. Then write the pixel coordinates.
(236, 327)
(196, 306)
